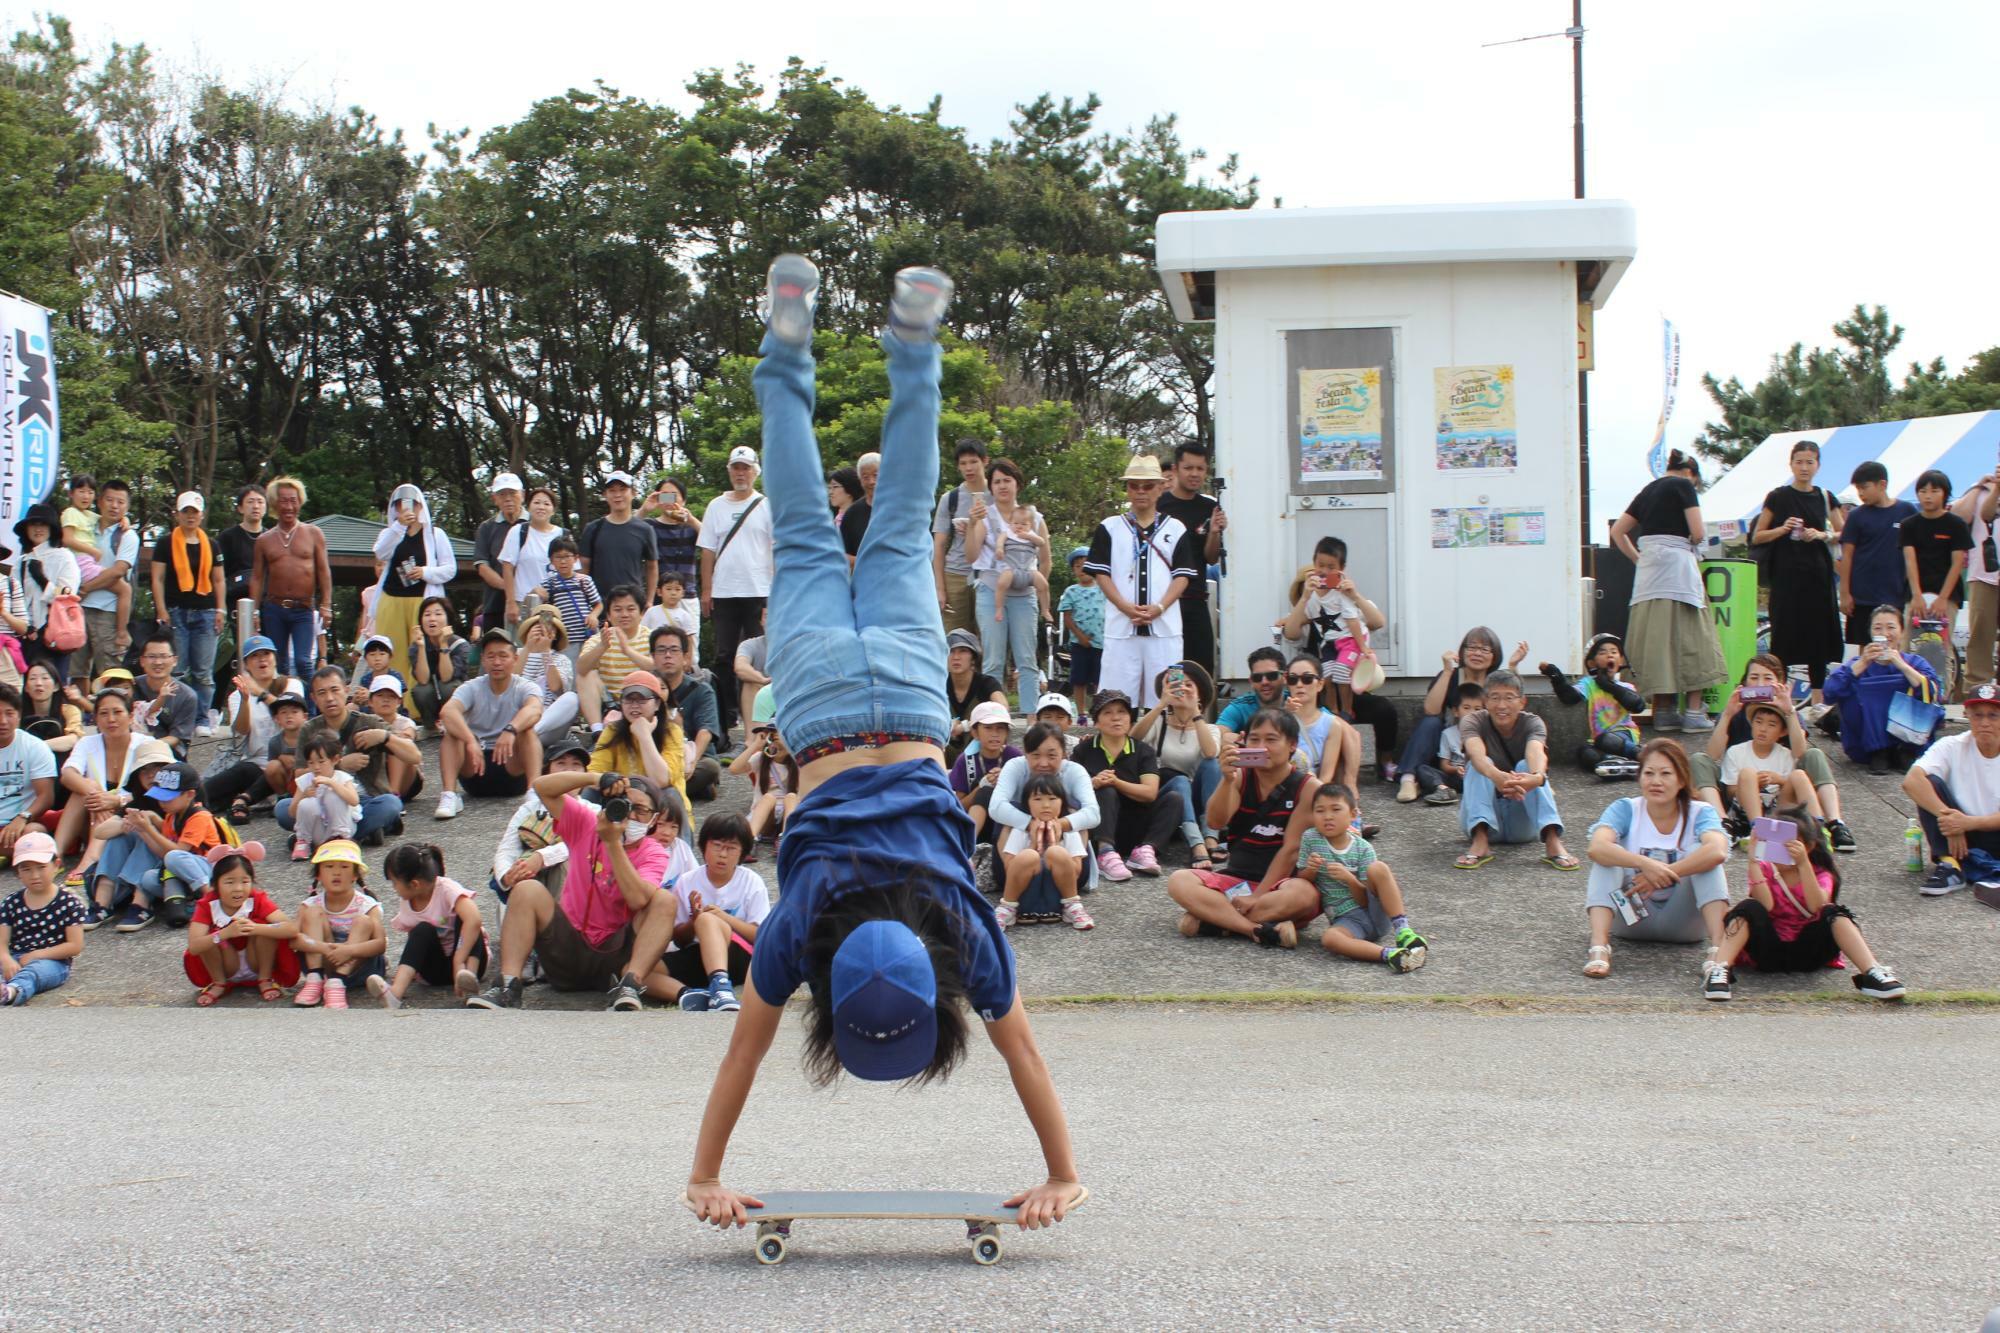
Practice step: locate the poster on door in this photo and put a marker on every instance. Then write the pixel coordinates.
(1475, 419)
(1340, 425)
(1487, 526)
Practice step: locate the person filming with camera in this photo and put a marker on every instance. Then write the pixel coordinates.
(611, 922)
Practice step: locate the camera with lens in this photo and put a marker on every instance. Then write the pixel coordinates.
(617, 808)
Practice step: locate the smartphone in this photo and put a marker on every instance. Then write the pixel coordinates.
(1774, 834)
(1176, 677)
(1753, 693)
(1250, 756)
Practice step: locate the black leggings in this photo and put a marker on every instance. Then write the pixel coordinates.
(241, 778)
(1127, 823)
(1811, 949)
(1380, 714)
(426, 953)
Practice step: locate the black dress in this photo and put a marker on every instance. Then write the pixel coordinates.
(1799, 576)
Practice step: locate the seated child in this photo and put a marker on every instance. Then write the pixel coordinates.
(340, 928)
(385, 704)
(376, 651)
(239, 937)
(1026, 852)
(675, 608)
(1082, 610)
(447, 944)
(41, 926)
(161, 854)
(1056, 711)
(1442, 782)
(1357, 892)
(774, 777)
(978, 766)
(1762, 770)
(1332, 611)
(1791, 921)
(719, 907)
(328, 804)
(574, 596)
(288, 715)
(1014, 557)
(1613, 748)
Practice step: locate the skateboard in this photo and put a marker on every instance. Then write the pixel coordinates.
(982, 1214)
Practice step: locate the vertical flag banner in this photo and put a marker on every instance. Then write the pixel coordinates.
(30, 436)
(1670, 352)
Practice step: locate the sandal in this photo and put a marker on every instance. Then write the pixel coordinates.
(211, 993)
(239, 810)
(268, 990)
(1471, 862)
(1563, 862)
(1599, 965)
(1198, 859)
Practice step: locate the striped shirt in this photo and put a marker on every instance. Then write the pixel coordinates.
(616, 664)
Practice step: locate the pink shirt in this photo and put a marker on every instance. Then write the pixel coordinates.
(591, 899)
(441, 911)
(1788, 909)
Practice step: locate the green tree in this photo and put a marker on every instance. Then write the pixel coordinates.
(1845, 385)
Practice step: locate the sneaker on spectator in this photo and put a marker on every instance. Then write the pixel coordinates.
(1072, 912)
(1006, 914)
(379, 988)
(722, 999)
(137, 917)
(1618, 768)
(693, 1000)
(625, 995)
(94, 915)
(311, 992)
(1144, 860)
(1841, 836)
(983, 876)
(1944, 878)
(1666, 720)
(1697, 721)
(301, 851)
(1715, 981)
(1441, 796)
(1405, 958)
(500, 995)
(176, 911)
(336, 992)
(1879, 983)
(450, 805)
(1409, 939)
(1112, 865)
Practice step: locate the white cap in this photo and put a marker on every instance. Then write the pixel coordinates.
(382, 641)
(988, 713)
(1055, 700)
(506, 481)
(621, 479)
(386, 681)
(743, 453)
(190, 500)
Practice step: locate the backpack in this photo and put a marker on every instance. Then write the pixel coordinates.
(64, 632)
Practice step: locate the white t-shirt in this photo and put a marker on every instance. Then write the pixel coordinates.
(1016, 840)
(1738, 758)
(1974, 779)
(744, 570)
(24, 760)
(743, 897)
(1345, 616)
(687, 615)
(528, 551)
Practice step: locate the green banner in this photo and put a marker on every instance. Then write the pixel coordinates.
(1731, 586)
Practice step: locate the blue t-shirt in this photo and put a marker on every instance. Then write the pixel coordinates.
(1876, 536)
(1236, 716)
(875, 825)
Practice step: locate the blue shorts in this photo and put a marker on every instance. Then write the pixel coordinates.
(1368, 924)
(1085, 661)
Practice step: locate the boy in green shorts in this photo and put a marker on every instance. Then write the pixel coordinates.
(1357, 892)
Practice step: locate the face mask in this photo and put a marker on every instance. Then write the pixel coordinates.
(634, 830)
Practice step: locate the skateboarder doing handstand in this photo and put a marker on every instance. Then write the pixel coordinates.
(878, 913)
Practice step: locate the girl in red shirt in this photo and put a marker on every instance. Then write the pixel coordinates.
(239, 936)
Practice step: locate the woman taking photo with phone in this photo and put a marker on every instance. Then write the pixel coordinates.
(1866, 687)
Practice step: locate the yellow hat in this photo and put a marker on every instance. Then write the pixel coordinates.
(341, 849)
(1143, 467)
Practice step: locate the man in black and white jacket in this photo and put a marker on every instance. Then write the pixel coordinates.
(1143, 560)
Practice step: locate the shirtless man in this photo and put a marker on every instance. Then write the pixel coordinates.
(290, 580)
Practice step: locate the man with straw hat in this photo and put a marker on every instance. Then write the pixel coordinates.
(1143, 560)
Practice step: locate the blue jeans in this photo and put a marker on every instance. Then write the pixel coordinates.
(1422, 747)
(1524, 820)
(864, 654)
(1193, 793)
(377, 813)
(194, 644)
(38, 976)
(292, 630)
(1675, 919)
(1016, 637)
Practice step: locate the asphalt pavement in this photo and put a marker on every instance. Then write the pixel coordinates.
(1514, 928)
(1329, 1167)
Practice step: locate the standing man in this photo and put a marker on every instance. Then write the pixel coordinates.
(1143, 560)
(854, 523)
(735, 571)
(1979, 507)
(238, 543)
(960, 510)
(486, 544)
(1202, 515)
(117, 557)
(188, 593)
(619, 549)
(695, 702)
(291, 581)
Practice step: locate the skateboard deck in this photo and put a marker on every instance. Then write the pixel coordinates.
(982, 1214)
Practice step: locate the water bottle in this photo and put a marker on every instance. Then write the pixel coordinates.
(1801, 682)
(1913, 847)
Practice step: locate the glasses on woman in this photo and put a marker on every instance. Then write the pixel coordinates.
(1302, 678)
(634, 697)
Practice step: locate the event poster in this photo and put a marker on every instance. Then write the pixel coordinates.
(1486, 526)
(29, 428)
(1340, 425)
(1475, 419)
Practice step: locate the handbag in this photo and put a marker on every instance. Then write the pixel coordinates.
(63, 631)
(1912, 720)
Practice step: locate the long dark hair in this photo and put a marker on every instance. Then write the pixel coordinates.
(1813, 835)
(620, 732)
(907, 902)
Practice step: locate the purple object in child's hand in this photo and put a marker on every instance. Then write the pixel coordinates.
(1775, 834)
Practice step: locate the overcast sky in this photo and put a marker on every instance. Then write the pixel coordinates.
(1787, 158)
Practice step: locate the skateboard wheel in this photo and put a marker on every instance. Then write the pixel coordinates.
(770, 1249)
(986, 1250)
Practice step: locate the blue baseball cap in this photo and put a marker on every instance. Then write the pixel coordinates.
(257, 643)
(884, 1002)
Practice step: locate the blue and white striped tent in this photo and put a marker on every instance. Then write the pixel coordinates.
(1965, 446)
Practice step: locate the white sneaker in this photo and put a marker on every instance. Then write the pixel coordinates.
(450, 805)
(204, 731)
